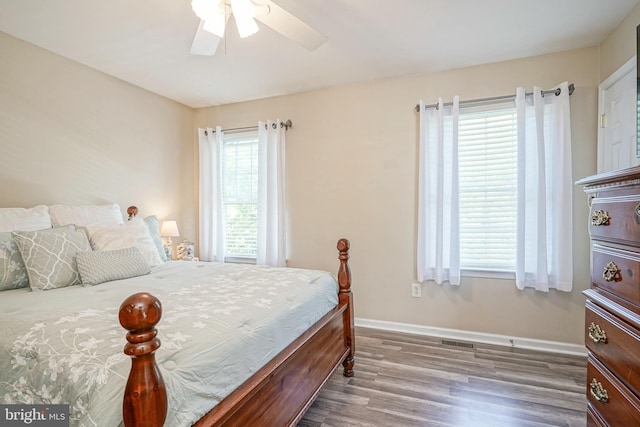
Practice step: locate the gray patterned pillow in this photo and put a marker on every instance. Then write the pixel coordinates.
(50, 256)
(13, 273)
(97, 267)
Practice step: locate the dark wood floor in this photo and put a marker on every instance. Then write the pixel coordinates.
(411, 380)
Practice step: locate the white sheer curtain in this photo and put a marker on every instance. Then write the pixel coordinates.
(438, 248)
(211, 208)
(544, 229)
(271, 194)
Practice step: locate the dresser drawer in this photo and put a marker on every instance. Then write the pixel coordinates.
(616, 218)
(615, 343)
(617, 271)
(593, 419)
(609, 397)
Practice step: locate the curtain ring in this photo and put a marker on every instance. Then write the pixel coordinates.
(273, 125)
(557, 92)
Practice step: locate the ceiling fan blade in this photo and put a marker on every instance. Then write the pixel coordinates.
(291, 27)
(204, 42)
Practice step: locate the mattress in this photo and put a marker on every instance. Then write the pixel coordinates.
(220, 324)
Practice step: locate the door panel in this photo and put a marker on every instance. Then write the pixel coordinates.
(617, 139)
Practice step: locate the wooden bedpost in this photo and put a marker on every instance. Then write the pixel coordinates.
(346, 297)
(145, 398)
(132, 211)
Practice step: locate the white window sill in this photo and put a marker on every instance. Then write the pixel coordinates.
(489, 274)
(239, 260)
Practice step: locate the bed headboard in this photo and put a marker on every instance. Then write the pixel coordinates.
(132, 211)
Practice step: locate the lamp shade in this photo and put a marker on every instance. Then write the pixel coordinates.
(169, 229)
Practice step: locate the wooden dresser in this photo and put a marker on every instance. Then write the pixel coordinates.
(612, 321)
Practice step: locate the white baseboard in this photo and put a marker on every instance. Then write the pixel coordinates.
(479, 337)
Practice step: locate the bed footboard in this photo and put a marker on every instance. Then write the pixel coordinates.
(277, 395)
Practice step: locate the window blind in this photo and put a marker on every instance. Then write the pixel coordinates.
(487, 153)
(240, 198)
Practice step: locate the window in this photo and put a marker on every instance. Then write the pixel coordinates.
(242, 203)
(495, 190)
(487, 162)
(240, 193)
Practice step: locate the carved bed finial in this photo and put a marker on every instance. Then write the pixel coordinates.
(145, 397)
(132, 211)
(344, 272)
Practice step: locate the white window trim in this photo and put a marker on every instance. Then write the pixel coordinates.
(240, 260)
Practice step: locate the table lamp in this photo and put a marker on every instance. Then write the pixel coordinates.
(169, 229)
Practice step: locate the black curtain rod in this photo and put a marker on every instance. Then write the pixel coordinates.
(288, 124)
(556, 92)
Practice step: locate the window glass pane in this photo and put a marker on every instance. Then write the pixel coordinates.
(241, 229)
(240, 198)
(488, 179)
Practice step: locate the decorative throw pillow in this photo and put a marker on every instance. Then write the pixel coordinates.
(134, 233)
(35, 218)
(154, 230)
(97, 267)
(50, 256)
(86, 215)
(13, 273)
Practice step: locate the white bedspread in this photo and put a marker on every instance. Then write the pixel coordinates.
(220, 324)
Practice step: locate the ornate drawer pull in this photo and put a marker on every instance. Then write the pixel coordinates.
(597, 334)
(638, 210)
(611, 272)
(598, 392)
(602, 217)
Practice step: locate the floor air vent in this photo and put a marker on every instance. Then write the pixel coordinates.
(457, 344)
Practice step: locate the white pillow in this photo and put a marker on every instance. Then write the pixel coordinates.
(24, 219)
(134, 233)
(86, 215)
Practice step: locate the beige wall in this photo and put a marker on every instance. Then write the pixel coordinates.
(352, 172)
(620, 44)
(70, 134)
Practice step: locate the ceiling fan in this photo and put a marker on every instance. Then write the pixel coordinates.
(214, 15)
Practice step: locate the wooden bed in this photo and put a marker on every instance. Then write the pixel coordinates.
(277, 395)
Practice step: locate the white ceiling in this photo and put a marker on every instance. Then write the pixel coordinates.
(147, 42)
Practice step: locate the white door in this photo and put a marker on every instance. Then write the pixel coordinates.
(618, 112)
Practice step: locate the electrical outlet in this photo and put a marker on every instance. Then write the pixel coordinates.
(416, 290)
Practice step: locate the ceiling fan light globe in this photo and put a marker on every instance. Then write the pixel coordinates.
(247, 26)
(205, 9)
(244, 12)
(243, 9)
(215, 24)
